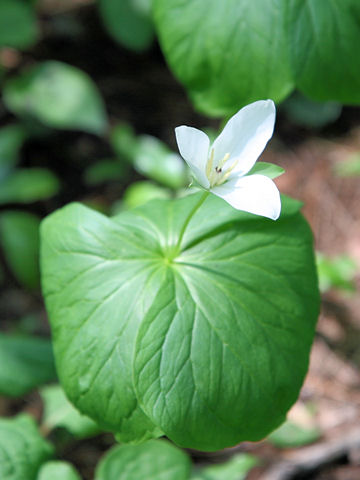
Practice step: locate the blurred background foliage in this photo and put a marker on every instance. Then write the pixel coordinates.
(90, 94)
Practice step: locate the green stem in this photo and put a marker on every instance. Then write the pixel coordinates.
(189, 217)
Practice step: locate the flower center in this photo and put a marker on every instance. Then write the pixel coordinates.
(217, 175)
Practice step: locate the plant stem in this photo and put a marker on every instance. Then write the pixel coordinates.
(189, 217)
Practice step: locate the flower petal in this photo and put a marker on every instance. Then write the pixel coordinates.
(245, 136)
(254, 194)
(194, 148)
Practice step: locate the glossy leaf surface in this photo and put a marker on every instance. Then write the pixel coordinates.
(228, 54)
(209, 344)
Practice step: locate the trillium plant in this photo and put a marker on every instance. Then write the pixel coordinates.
(193, 317)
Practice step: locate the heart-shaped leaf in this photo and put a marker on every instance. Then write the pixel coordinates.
(209, 345)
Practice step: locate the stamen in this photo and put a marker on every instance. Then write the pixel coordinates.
(209, 164)
(218, 176)
(229, 170)
(224, 160)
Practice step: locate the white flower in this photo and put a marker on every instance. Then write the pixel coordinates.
(222, 167)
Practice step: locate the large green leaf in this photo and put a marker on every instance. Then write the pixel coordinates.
(98, 377)
(56, 470)
(153, 460)
(18, 26)
(128, 22)
(25, 363)
(19, 238)
(323, 39)
(211, 343)
(22, 449)
(59, 95)
(226, 53)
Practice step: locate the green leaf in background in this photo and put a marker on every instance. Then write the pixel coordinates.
(211, 344)
(155, 160)
(349, 167)
(124, 141)
(58, 95)
(322, 40)
(25, 363)
(19, 238)
(2, 275)
(268, 169)
(290, 435)
(11, 140)
(227, 54)
(56, 470)
(236, 468)
(150, 157)
(153, 460)
(105, 171)
(18, 26)
(308, 113)
(22, 449)
(27, 185)
(337, 272)
(58, 412)
(128, 22)
(139, 193)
